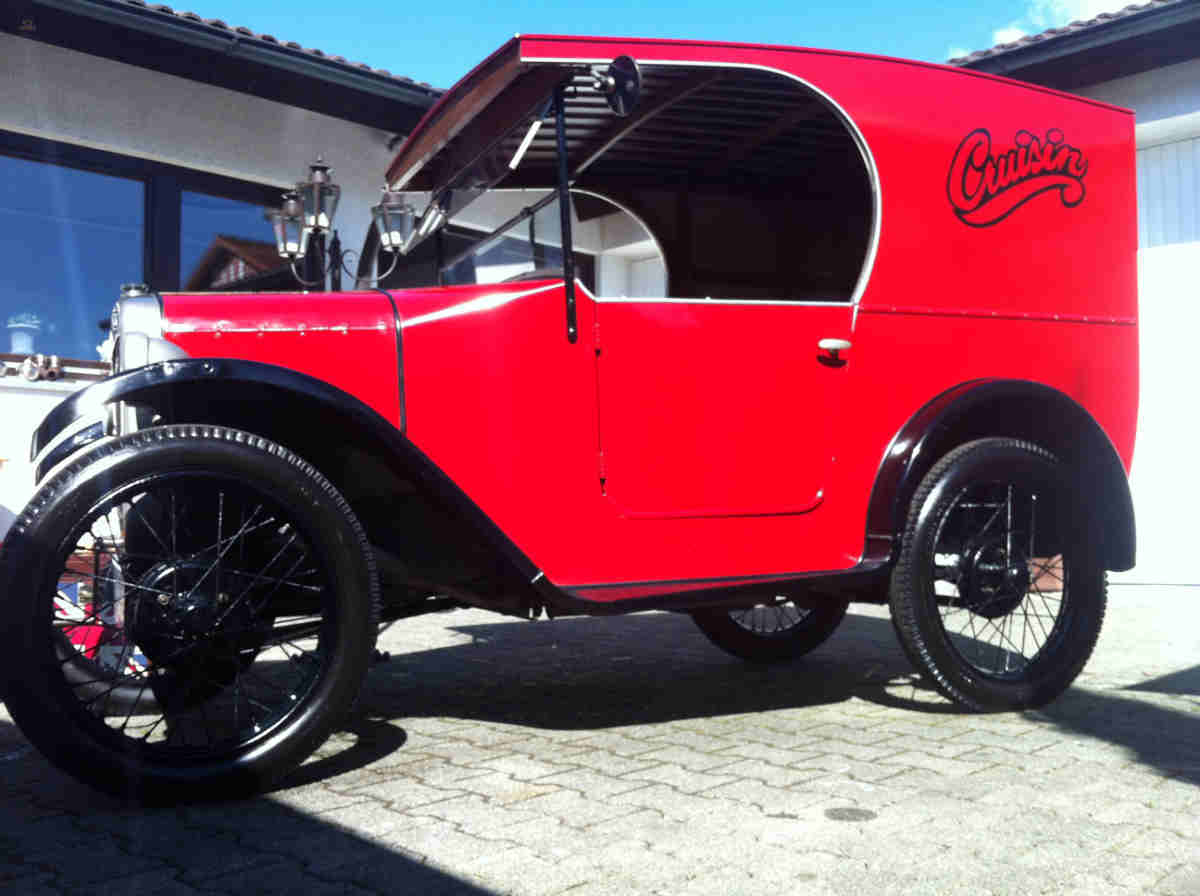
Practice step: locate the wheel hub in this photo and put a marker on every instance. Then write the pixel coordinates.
(988, 585)
(195, 631)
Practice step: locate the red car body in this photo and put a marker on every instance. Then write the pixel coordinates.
(683, 444)
(892, 357)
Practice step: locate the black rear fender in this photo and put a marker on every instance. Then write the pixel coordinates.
(1017, 409)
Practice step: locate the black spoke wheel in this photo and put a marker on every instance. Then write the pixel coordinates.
(997, 598)
(776, 629)
(192, 608)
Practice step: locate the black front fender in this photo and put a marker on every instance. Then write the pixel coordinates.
(155, 385)
(232, 392)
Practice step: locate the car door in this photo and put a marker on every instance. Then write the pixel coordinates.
(713, 408)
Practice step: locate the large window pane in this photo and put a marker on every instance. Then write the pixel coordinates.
(228, 245)
(68, 240)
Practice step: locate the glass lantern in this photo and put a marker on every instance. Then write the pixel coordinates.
(320, 197)
(291, 236)
(394, 219)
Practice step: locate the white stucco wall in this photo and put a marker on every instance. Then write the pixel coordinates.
(50, 92)
(1165, 92)
(1166, 489)
(23, 405)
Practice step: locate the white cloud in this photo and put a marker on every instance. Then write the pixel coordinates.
(957, 52)
(1007, 35)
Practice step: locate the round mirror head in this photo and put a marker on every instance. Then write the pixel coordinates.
(624, 85)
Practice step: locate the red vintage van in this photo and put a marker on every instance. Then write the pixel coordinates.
(743, 331)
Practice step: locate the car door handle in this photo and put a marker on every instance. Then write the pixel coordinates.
(834, 346)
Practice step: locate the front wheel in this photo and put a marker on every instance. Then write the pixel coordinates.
(997, 597)
(221, 611)
(777, 629)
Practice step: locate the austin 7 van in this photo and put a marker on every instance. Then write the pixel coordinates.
(746, 332)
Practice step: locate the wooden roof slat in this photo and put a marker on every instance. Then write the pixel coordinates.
(646, 111)
(781, 125)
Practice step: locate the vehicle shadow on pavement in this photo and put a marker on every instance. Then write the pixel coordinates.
(602, 672)
(1154, 736)
(59, 836)
(1185, 681)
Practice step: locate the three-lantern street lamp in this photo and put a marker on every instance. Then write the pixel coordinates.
(306, 214)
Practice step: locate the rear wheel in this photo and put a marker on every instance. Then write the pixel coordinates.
(778, 629)
(220, 612)
(997, 597)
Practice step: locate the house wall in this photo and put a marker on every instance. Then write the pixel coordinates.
(71, 97)
(50, 92)
(1166, 489)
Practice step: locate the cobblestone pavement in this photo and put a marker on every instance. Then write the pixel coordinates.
(626, 755)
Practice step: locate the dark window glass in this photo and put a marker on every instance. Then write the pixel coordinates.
(228, 245)
(68, 240)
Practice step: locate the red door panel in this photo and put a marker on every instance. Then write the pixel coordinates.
(712, 409)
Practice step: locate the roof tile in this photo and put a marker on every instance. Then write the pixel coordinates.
(222, 26)
(1051, 33)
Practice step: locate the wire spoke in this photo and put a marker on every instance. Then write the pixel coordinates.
(134, 508)
(237, 601)
(136, 585)
(220, 556)
(778, 618)
(257, 579)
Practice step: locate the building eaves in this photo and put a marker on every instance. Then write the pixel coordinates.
(1105, 29)
(240, 42)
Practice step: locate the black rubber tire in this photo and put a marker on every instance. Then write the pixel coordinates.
(917, 615)
(41, 700)
(823, 616)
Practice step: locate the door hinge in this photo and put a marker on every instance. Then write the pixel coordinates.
(596, 333)
(603, 468)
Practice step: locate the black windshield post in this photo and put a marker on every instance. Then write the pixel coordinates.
(564, 209)
(439, 246)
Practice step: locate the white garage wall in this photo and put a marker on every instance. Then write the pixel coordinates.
(1169, 194)
(1166, 489)
(1165, 485)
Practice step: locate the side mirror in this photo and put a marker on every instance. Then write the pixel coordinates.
(621, 83)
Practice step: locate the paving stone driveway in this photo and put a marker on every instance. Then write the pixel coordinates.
(588, 756)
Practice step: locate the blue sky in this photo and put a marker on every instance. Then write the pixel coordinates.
(438, 43)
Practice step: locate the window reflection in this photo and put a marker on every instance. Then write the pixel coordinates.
(227, 245)
(68, 240)
(530, 248)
